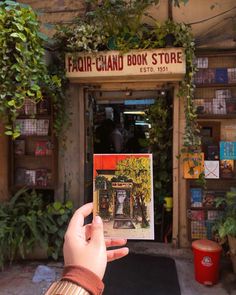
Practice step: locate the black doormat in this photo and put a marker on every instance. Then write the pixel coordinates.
(139, 274)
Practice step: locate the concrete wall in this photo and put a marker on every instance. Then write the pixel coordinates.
(209, 19)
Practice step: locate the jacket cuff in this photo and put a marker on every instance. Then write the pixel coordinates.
(83, 277)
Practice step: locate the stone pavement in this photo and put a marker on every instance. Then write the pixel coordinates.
(17, 279)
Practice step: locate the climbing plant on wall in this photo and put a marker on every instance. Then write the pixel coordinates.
(21, 61)
(23, 72)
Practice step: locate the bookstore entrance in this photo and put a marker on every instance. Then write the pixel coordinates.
(127, 104)
(134, 122)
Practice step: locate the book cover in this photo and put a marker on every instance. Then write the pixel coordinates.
(201, 62)
(219, 106)
(20, 176)
(221, 75)
(30, 177)
(196, 197)
(30, 126)
(42, 127)
(41, 178)
(223, 93)
(193, 165)
(231, 105)
(212, 214)
(227, 169)
(227, 150)
(212, 169)
(212, 152)
(197, 215)
(123, 194)
(228, 132)
(209, 199)
(20, 125)
(43, 107)
(198, 77)
(19, 147)
(199, 105)
(30, 107)
(208, 106)
(43, 148)
(198, 230)
(232, 75)
(208, 76)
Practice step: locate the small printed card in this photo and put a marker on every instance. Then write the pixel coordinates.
(219, 106)
(196, 197)
(123, 195)
(211, 169)
(197, 215)
(228, 132)
(227, 168)
(193, 165)
(201, 62)
(227, 150)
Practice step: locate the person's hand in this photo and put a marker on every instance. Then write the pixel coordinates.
(85, 245)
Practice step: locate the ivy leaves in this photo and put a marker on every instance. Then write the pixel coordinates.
(22, 69)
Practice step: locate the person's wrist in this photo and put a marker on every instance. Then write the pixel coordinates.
(65, 287)
(83, 277)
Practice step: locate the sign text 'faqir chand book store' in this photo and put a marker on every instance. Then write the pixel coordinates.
(159, 63)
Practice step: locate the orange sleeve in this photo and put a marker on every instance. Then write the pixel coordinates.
(83, 277)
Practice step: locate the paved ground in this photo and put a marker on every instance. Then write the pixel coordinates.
(17, 279)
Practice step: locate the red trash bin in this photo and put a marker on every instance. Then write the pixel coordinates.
(206, 261)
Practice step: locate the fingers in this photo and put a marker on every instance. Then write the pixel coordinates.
(117, 254)
(96, 230)
(77, 220)
(115, 242)
(88, 231)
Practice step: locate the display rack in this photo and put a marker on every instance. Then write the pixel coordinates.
(215, 101)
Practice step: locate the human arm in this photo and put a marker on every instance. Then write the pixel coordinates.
(85, 253)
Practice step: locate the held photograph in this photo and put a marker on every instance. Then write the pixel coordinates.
(123, 195)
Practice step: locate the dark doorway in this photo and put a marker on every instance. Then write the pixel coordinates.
(120, 123)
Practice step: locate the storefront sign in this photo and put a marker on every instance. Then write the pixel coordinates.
(122, 184)
(162, 63)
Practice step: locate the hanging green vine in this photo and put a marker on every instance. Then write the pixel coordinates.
(22, 68)
(23, 71)
(159, 116)
(117, 25)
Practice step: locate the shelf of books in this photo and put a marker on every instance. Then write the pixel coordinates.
(34, 151)
(215, 102)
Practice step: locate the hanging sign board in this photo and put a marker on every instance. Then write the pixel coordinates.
(163, 64)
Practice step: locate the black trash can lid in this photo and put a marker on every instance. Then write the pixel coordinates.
(206, 245)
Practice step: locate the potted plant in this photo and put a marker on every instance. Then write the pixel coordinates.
(226, 224)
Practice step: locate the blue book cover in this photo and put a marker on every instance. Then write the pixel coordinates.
(196, 197)
(221, 75)
(227, 150)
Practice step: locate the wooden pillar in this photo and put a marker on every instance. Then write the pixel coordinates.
(4, 167)
(176, 152)
(71, 159)
(183, 221)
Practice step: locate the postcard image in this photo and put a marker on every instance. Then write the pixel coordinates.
(123, 195)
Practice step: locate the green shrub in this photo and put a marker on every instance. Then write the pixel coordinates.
(26, 220)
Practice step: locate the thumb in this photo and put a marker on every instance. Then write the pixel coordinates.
(97, 235)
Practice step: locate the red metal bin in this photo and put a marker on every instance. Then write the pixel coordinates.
(206, 261)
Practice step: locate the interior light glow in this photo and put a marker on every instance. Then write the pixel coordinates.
(134, 112)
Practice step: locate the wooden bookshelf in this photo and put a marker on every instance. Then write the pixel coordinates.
(214, 128)
(34, 152)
